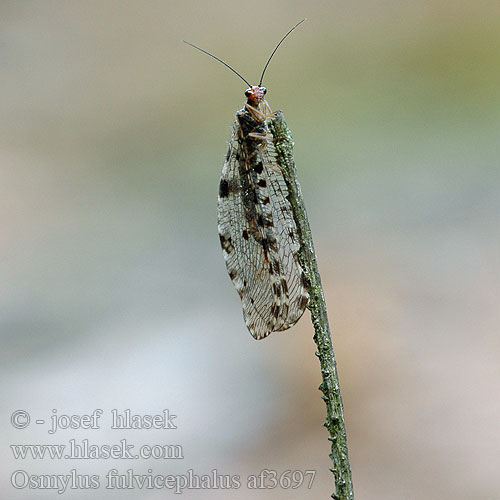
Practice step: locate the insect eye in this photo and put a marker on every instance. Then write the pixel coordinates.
(264, 90)
(248, 93)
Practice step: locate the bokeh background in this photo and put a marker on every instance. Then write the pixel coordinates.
(114, 292)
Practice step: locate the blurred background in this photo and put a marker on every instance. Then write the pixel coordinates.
(113, 288)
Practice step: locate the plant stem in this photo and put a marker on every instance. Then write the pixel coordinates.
(322, 337)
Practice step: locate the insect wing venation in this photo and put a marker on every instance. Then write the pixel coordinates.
(257, 230)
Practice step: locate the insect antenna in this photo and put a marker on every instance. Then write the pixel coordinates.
(220, 60)
(275, 49)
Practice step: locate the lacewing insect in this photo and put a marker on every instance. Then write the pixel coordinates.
(257, 230)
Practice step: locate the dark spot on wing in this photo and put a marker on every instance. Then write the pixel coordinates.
(265, 248)
(302, 301)
(262, 183)
(245, 234)
(223, 188)
(259, 167)
(275, 310)
(226, 243)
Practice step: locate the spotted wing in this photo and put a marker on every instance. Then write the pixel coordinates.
(258, 237)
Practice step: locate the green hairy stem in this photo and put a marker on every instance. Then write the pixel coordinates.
(322, 337)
